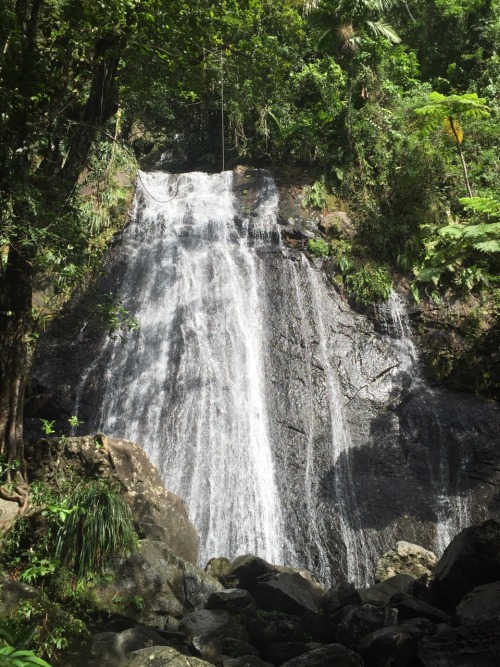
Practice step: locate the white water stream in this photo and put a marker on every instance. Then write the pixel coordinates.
(189, 386)
(451, 505)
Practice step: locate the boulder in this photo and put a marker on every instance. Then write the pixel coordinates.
(207, 629)
(12, 593)
(289, 593)
(235, 648)
(218, 567)
(154, 583)
(270, 629)
(406, 558)
(340, 222)
(159, 656)
(112, 649)
(381, 593)
(353, 623)
(339, 596)
(247, 571)
(235, 600)
(408, 608)
(244, 661)
(9, 512)
(479, 605)
(332, 655)
(394, 646)
(465, 646)
(305, 574)
(158, 514)
(471, 559)
(282, 651)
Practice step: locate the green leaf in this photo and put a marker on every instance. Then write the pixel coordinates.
(488, 246)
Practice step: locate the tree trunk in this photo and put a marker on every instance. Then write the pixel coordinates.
(15, 357)
(18, 272)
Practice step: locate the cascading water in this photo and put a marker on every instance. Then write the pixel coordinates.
(189, 386)
(450, 495)
(289, 426)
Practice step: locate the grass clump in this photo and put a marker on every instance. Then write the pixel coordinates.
(99, 529)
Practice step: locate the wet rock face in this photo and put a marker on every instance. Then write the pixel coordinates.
(365, 453)
(354, 425)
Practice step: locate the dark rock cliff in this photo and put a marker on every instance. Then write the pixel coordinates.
(365, 452)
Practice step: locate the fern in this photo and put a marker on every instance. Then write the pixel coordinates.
(488, 246)
(487, 205)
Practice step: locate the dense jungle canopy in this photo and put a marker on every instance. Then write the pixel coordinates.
(390, 107)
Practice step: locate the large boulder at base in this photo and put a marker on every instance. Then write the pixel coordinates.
(247, 571)
(282, 651)
(154, 583)
(207, 629)
(158, 514)
(332, 655)
(235, 648)
(244, 661)
(12, 593)
(339, 596)
(465, 646)
(218, 567)
(408, 608)
(289, 593)
(471, 559)
(381, 593)
(270, 629)
(235, 600)
(394, 646)
(480, 604)
(354, 623)
(305, 574)
(405, 558)
(159, 656)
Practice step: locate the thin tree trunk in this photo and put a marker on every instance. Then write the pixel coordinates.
(464, 168)
(15, 357)
(458, 141)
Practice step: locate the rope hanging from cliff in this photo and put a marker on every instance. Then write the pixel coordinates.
(222, 105)
(159, 201)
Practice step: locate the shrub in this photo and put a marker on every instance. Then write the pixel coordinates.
(318, 247)
(100, 529)
(369, 283)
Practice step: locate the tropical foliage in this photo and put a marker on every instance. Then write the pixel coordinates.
(391, 105)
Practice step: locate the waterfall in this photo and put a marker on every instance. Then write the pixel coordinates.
(189, 386)
(290, 427)
(395, 321)
(451, 506)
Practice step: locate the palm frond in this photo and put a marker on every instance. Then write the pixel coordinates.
(381, 29)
